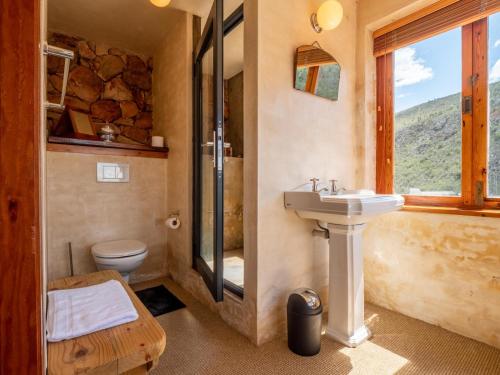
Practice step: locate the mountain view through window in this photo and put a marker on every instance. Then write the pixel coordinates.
(427, 103)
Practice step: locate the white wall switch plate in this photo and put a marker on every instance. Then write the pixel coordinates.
(112, 172)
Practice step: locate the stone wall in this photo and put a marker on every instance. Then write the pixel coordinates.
(110, 84)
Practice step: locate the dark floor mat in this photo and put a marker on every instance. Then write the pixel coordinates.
(159, 300)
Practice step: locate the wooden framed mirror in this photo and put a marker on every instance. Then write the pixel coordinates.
(316, 72)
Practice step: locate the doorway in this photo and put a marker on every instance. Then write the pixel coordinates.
(218, 153)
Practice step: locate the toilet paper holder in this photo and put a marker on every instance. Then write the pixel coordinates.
(173, 221)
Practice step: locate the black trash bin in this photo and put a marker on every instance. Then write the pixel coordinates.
(304, 322)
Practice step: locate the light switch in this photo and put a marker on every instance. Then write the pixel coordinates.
(112, 172)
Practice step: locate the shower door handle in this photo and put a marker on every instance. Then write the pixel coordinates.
(67, 55)
(210, 144)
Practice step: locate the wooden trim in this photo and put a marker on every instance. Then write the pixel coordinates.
(480, 111)
(453, 211)
(457, 14)
(412, 17)
(493, 203)
(20, 243)
(385, 125)
(95, 150)
(435, 201)
(474, 126)
(467, 159)
(312, 79)
(86, 146)
(102, 144)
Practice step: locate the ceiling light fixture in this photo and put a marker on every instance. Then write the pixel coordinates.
(328, 16)
(160, 3)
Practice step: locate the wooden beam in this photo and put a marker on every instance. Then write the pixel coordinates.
(385, 125)
(20, 244)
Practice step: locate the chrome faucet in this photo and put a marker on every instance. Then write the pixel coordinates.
(314, 181)
(334, 190)
(333, 186)
(315, 185)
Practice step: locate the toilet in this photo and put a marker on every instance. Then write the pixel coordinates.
(124, 256)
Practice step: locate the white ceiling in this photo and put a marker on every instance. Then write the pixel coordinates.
(134, 25)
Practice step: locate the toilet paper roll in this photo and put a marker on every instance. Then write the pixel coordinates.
(173, 222)
(157, 141)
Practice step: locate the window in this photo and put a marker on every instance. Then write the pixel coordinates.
(428, 116)
(438, 106)
(494, 106)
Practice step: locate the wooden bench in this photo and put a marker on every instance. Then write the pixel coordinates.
(132, 348)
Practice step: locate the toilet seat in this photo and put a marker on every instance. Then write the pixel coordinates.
(118, 249)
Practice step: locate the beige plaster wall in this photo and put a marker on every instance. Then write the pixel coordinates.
(83, 211)
(172, 92)
(442, 269)
(300, 136)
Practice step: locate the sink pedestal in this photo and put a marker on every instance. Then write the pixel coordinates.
(346, 289)
(346, 215)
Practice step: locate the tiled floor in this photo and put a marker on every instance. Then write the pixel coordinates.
(199, 342)
(234, 266)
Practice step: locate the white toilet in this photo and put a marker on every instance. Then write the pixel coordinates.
(124, 256)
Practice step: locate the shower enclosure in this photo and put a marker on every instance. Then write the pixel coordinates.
(218, 175)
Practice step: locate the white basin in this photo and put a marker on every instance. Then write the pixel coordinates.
(346, 214)
(348, 208)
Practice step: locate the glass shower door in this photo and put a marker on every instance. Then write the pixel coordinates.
(208, 184)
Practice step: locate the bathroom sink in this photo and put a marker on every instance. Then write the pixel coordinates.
(345, 208)
(346, 213)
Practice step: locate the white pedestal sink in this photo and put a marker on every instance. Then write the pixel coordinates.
(346, 215)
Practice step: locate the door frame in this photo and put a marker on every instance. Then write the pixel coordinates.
(213, 35)
(20, 237)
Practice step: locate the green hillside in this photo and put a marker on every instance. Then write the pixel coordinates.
(428, 145)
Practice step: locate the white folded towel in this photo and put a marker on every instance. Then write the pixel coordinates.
(77, 312)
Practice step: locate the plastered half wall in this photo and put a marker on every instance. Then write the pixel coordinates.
(442, 269)
(82, 211)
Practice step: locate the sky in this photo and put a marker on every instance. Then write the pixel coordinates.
(432, 68)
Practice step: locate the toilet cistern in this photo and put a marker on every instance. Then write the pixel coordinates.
(346, 213)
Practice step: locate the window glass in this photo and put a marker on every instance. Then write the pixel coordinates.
(301, 79)
(494, 106)
(427, 123)
(328, 81)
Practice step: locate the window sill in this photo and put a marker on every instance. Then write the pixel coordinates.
(61, 144)
(453, 211)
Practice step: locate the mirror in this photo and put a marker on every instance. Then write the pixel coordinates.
(316, 72)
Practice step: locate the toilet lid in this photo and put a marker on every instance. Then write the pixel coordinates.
(117, 249)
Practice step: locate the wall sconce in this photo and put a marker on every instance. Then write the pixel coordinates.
(328, 16)
(160, 3)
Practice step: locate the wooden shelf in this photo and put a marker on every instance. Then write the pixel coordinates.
(84, 146)
(453, 211)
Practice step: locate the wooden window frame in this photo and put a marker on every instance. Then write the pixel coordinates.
(474, 129)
